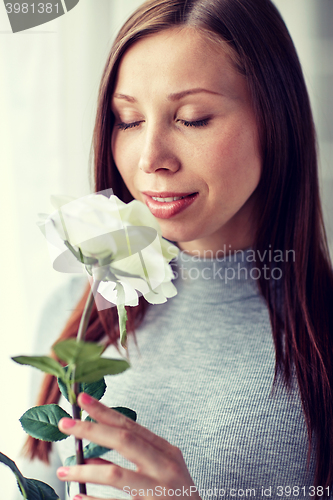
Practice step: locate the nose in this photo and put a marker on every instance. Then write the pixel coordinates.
(158, 152)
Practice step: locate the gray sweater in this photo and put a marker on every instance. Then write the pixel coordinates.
(202, 379)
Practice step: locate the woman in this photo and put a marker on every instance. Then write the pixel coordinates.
(204, 100)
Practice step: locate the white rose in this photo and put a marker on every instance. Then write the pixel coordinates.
(120, 244)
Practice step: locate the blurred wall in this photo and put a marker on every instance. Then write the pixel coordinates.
(310, 23)
(49, 79)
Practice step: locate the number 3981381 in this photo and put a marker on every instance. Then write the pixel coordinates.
(32, 8)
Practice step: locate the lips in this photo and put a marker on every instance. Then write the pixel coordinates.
(166, 194)
(168, 209)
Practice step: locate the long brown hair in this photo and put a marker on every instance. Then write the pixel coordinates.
(287, 194)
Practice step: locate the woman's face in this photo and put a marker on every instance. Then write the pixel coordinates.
(184, 126)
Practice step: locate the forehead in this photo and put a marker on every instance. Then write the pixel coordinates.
(173, 58)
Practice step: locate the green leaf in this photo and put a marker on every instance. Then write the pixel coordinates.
(31, 489)
(122, 313)
(70, 461)
(21, 480)
(92, 371)
(63, 388)
(126, 411)
(43, 363)
(94, 389)
(72, 351)
(93, 450)
(41, 422)
(37, 490)
(89, 419)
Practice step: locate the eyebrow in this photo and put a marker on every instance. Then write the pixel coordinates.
(180, 95)
(171, 97)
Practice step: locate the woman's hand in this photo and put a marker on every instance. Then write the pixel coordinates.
(160, 466)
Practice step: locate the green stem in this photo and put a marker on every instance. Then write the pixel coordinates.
(76, 411)
(87, 312)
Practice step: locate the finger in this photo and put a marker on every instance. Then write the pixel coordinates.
(105, 415)
(110, 475)
(129, 444)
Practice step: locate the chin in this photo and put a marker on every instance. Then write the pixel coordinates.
(179, 235)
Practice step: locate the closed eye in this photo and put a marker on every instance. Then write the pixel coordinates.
(126, 126)
(197, 123)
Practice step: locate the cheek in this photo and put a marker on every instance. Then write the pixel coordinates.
(235, 161)
(239, 142)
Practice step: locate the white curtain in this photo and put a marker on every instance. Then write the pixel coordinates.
(49, 79)
(311, 27)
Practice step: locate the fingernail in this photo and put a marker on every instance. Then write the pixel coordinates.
(62, 471)
(66, 423)
(77, 497)
(86, 399)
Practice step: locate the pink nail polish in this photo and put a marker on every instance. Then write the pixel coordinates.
(86, 399)
(77, 497)
(62, 471)
(66, 423)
